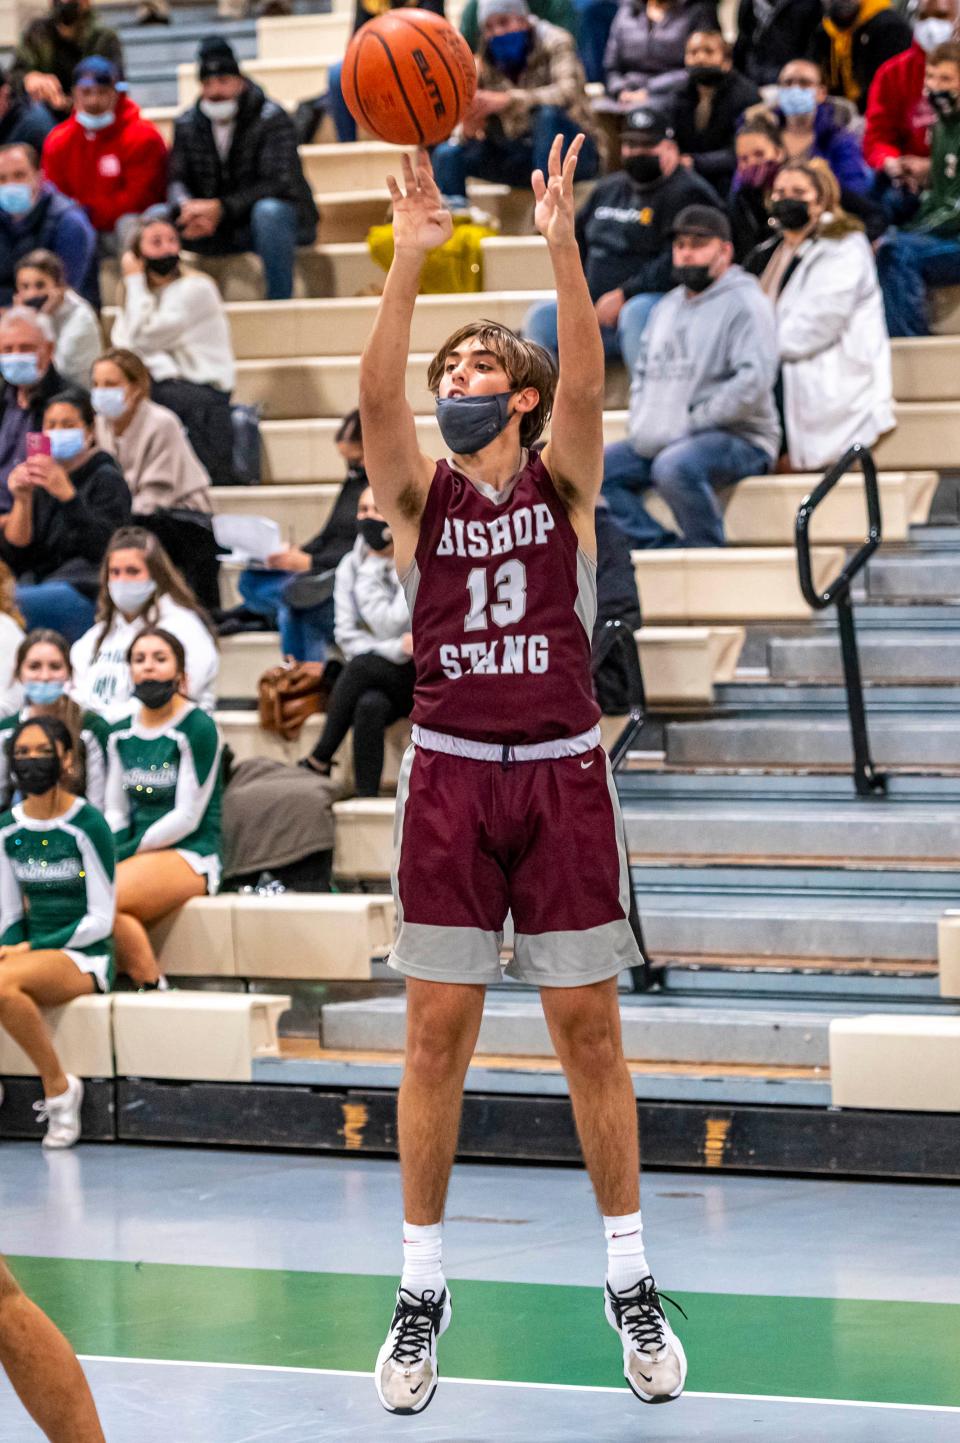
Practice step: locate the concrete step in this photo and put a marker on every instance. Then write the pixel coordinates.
(911, 657)
(926, 437)
(151, 48)
(285, 37)
(299, 511)
(735, 584)
(917, 578)
(925, 369)
(653, 1032)
(912, 741)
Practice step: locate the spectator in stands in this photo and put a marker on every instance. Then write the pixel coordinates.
(707, 108)
(56, 920)
(760, 154)
(34, 216)
(565, 13)
(11, 635)
(645, 51)
(106, 157)
(925, 252)
(702, 413)
(176, 323)
(853, 40)
(624, 234)
(814, 125)
(344, 123)
(41, 283)
(375, 687)
(235, 174)
(160, 465)
(835, 354)
(900, 118)
(771, 32)
(66, 506)
(140, 587)
(306, 632)
(588, 21)
(530, 89)
(29, 379)
(167, 834)
(44, 673)
(22, 119)
(52, 46)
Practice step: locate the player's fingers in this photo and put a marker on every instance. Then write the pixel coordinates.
(555, 152)
(570, 161)
(409, 179)
(395, 192)
(539, 185)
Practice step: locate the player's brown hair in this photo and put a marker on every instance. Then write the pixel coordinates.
(525, 363)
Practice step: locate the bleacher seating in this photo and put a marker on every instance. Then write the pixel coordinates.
(195, 1036)
(898, 1062)
(82, 1035)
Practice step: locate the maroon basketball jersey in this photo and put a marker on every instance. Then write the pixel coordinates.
(503, 603)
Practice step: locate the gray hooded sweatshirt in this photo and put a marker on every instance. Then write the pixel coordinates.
(708, 362)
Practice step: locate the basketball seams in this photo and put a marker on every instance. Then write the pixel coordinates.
(425, 35)
(400, 85)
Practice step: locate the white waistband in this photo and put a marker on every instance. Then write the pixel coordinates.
(493, 752)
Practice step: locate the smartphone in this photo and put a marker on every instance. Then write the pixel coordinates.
(38, 444)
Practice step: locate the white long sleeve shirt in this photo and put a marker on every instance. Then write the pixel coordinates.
(180, 331)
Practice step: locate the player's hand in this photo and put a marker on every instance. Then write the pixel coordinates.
(421, 221)
(554, 212)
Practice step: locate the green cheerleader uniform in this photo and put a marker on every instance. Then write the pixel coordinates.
(57, 886)
(94, 730)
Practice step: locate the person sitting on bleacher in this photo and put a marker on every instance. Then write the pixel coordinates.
(815, 125)
(164, 789)
(106, 157)
(306, 631)
(22, 119)
(707, 109)
(52, 46)
(235, 175)
(644, 58)
(702, 412)
(174, 319)
(57, 901)
(853, 40)
(819, 271)
(375, 687)
(35, 216)
(344, 123)
(530, 89)
(624, 235)
(44, 673)
(29, 379)
(149, 441)
(771, 32)
(67, 503)
(139, 586)
(11, 635)
(760, 154)
(41, 284)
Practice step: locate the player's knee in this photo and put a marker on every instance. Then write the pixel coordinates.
(435, 1049)
(590, 1043)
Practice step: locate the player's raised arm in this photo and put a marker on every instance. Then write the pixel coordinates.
(574, 453)
(398, 470)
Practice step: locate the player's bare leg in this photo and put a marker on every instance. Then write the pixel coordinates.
(43, 1369)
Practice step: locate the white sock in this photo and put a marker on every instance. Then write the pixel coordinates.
(422, 1258)
(626, 1260)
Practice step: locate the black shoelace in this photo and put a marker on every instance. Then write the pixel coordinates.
(640, 1314)
(413, 1322)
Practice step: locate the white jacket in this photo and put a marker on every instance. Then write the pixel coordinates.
(835, 352)
(180, 332)
(370, 609)
(102, 683)
(79, 339)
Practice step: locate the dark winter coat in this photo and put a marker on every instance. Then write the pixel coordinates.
(771, 32)
(885, 35)
(645, 55)
(712, 147)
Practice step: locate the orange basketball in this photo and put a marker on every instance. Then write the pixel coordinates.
(408, 77)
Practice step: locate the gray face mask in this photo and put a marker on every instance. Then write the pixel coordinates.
(468, 423)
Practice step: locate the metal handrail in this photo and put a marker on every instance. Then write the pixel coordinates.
(867, 780)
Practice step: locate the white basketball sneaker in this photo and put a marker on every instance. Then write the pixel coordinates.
(654, 1363)
(407, 1373)
(62, 1115)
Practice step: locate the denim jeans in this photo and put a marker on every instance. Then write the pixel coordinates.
(273, 230)
(595, 17)
(343, 121)
(686, 473)
(58, 606)
(510, 162)
(620, 342)
(305, 635)
(909, 263)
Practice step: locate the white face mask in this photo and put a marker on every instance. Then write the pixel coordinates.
(131, 596)
(219, 110)
(932, 32)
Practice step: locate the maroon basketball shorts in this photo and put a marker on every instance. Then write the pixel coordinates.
(541, 838)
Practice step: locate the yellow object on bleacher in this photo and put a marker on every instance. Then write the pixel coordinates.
(457, 265)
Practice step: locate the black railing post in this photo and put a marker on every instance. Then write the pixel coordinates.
(867, 780)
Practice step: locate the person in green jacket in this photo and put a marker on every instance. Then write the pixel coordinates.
(57, 903)
(51, 47)
(925, 252)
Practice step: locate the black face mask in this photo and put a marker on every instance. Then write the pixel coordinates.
(707, 74)
(643, 169)
(791, 214)
(36, 303)
(161, 265)
(376, 534)
(155, 694)
(67, 12)
(695, 278)
(944, 102)
(35, 775)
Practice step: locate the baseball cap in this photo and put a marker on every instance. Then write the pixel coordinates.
(702, 220)
(96, 69)
(647, 127)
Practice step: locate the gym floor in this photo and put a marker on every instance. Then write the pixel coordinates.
(222, 1297)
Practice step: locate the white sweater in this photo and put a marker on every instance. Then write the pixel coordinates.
(11, 635)
(180, 331)
(370, 609)
(103, 684)
(79, 339)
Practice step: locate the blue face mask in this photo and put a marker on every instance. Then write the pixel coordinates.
(16, 197)
(20, 370)
(509, 51)
(95, 122)
(468, 423)
(43, 693)
(66, 443)
(796, 100)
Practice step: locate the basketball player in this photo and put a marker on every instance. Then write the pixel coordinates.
(43, 1369)
(506, 799)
